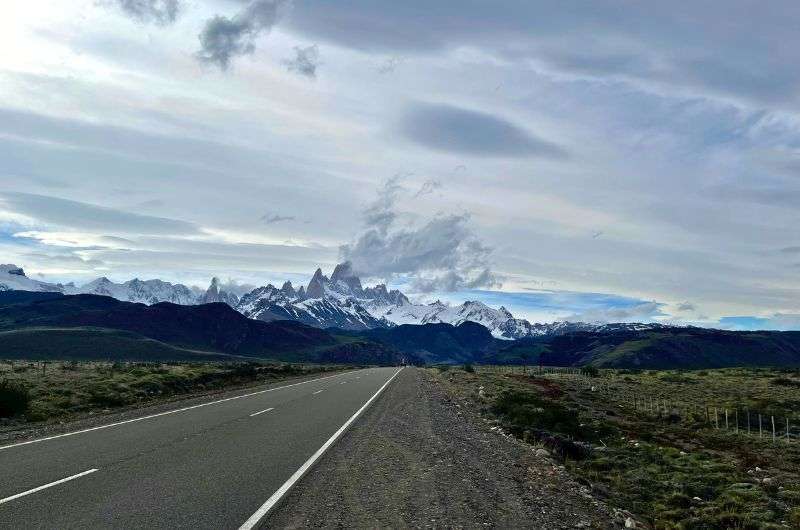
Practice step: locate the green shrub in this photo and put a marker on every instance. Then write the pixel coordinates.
(590, 371)
(14, 399)
(784, 381)
(468, 368)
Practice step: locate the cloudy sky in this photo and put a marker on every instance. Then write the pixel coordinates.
(608, 160)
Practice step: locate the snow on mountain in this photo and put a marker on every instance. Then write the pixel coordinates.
(12, 278)
(327, 310)
(342, 301)
(141, 291)
(500, 322)
(339, 301)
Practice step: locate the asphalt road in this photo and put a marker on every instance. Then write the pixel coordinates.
(211, 466)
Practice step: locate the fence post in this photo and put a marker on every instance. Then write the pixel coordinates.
(748, 421)
(716, 419)
(736, 429)
(759, 425)
(726, 419)
(787, 430)
(773, 428)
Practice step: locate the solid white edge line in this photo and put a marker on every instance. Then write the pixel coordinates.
(280, 492)
(50, 485)
(317, 392)
(151, 416)
(262, 411)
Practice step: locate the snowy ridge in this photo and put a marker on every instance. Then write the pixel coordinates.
(339, 301)
(141, 291)
(12, 278)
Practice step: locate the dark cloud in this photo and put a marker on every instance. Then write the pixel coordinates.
(699, 47)
(224, 38)
(160, 12)
(275, 218)
(791, 250)
(305, 61)
(89, 217)
(442, 254)
(448, 128)
(687, 306)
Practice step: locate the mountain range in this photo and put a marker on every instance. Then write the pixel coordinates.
(51, 325)
(339, 301)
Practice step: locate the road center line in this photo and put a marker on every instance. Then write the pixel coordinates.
(151, 416)
(262, 411)
(318, 391)
(273, 500)
(50, 485)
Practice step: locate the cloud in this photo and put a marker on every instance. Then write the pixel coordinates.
(428, 187)
(697, 49)
(305, 62)
(642, 311)
(776, 322)
(89, 217)
(687, 306)
(791, 250)
(275, 218)
(448, 128)
(233, 286)
(224, 38)
(159, 12)
(441, 254)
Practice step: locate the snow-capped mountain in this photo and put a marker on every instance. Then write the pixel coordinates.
(141, 291)
(339, 301)
(12, 278)
(270, 303)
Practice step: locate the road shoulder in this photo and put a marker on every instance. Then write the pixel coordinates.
(417, 458)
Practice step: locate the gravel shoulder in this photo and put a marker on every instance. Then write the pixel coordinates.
(417, 458)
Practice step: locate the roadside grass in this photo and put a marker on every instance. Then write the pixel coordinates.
(37, 391)
(675, 471)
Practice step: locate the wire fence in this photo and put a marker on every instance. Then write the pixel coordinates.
(733, 418)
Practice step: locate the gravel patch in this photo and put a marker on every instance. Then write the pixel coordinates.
(419, 459)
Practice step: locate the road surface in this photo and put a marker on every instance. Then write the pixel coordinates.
(221, 464)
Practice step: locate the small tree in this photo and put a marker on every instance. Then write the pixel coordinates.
(590, 371)
(468, 368)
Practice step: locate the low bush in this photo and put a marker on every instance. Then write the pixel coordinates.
(14, 399)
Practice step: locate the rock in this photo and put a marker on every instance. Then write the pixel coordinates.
(630, 523)
(542, 453)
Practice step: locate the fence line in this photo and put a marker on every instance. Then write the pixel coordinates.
(661, 407)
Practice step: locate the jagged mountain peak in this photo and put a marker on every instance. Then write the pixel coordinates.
(288, 289)
(215, 293)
